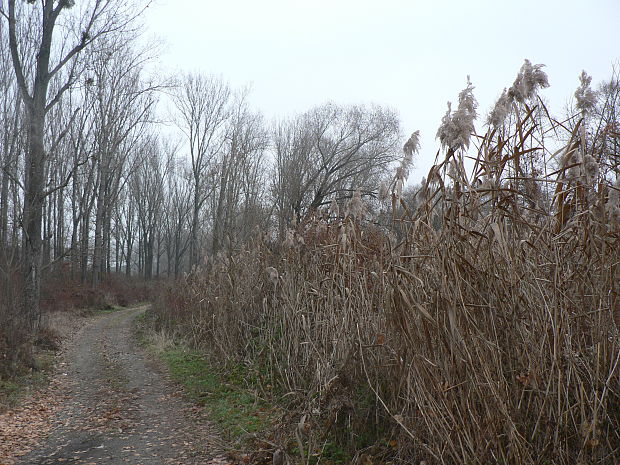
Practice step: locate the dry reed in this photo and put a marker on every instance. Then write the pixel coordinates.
(490, 334)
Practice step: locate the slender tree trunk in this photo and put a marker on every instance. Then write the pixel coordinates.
(32, 214)
(84, 241)
(75, 255)
(193, 247)
(159, 253)
(60, 228)
(117, 243)
(130, 239)
(106, 234)
(47, 231)
(4, 210)
(98, 255)
(128, 258)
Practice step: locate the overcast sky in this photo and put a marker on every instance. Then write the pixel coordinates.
(411, 55)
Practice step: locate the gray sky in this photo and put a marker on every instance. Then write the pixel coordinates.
(411, 55)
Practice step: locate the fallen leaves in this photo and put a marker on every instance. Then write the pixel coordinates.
(23, 428)
(105, 405)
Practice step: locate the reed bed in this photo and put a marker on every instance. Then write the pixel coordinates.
(488, 332)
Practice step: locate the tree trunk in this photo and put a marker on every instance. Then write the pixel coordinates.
(193, 247)
(4, 210)
(84, 241)
(98, 251)
(32, 215)
(60, 228)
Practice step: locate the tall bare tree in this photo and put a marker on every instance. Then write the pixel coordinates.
(203, 106)
(124, 104)
(238, 176)
(51, 59)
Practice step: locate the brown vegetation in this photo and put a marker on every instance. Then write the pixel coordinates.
(59, 293)
(488, 334)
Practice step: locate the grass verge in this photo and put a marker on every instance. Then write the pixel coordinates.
(238, 411)
(252, 424)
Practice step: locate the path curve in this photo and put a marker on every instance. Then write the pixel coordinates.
(120, 410)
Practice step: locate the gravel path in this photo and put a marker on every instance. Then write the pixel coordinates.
(119, 408)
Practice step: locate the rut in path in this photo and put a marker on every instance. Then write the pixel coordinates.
(120, 410)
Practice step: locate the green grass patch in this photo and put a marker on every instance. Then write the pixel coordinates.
(25, 381)
(234, 408)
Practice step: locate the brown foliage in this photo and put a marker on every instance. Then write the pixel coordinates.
(489, 335)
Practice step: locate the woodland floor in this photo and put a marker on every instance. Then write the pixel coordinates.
(108, 403)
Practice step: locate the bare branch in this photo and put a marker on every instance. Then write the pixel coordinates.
(17, 65)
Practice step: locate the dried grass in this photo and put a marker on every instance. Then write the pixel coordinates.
(490, 334)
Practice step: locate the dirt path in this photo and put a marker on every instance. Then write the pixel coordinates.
(119, 409)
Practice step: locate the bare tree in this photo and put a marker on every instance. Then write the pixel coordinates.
(178, 218)
(203, 106)
(124, 104)
(147, 194)
(328, 153)
(11, 138)
(238, 180)
(49, 59)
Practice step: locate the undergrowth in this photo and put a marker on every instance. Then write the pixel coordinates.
(25, 381)
(61, 294)
(229, 394)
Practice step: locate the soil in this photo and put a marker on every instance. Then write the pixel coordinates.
(112, 405)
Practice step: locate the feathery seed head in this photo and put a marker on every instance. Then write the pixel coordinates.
(500, 111)
(586, 97)
(272, 274)
(289, 239)
(575, 171)
(398, 187)
(334, 210)
(356, 206)
(411, 147)
(571, 160)
(612, 207)
(590, 167)
(528, 81)
(456, 128)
